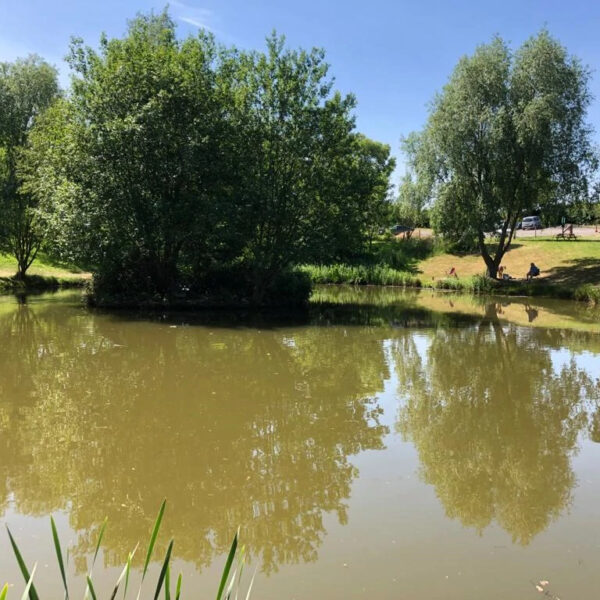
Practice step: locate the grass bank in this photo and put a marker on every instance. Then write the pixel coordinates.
(569, 269)
(43, 275)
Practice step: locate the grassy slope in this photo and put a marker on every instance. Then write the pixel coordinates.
(42, 266)
(568, 263)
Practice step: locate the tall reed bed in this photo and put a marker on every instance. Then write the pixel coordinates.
(360, 275)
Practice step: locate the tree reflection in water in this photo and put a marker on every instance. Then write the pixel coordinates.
(235, 426)
(494, 424)
(255, 426)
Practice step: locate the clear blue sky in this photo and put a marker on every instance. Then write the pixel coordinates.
(394, 55)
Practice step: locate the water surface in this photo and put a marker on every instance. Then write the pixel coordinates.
(382, 444)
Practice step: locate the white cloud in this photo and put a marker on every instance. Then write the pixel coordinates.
(193, 15)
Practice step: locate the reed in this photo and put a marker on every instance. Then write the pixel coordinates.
(230, 583)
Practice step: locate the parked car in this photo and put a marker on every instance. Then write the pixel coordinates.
(396, 229)
(531, 223)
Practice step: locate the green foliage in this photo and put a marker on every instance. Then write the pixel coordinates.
(27, 87)
(360, 275)
(506, 137)
(411, 208)
(172, 158)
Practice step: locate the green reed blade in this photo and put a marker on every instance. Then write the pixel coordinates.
(91, 588)
(241, 564)
(32, 591)
(100, 536)
(230, 586)
(29, 585)
(177, 587)
(118, 583)
(59, 556)
(227, 568)
(168, 584)
(128, 567)
(4, 592)
(153, 537)
(163, 571)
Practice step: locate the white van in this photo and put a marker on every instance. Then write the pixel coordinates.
(531, 223)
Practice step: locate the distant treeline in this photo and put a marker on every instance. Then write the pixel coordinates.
(180, 168)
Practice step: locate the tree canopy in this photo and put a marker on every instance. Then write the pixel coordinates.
(27, 87)
(176, 164)
(506, 137)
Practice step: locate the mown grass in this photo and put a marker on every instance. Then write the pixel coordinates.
(477, 284)
(43, 266)
(571, 263)
(43, 275)
(569, 269)
(230, 583)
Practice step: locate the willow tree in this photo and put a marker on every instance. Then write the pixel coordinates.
(507, 136)
(27, 87)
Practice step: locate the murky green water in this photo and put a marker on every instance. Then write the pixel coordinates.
(397, 446)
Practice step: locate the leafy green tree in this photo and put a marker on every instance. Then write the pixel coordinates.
(142, 122)
(27, 87)
(294, 134)
(176, 165)
(371, 187)
(506, 136)
(411, 207)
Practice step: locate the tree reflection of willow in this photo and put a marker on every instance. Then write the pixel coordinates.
(235, 427)
(495, 426)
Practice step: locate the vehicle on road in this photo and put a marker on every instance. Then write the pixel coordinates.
(531, 223)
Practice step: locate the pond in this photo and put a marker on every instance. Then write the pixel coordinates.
(383, 444)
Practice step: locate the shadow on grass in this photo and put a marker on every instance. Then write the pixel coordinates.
(492, 247)
(58, 264)
(576, 272)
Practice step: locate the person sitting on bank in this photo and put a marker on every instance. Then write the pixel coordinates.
(533, 272)
(500, 272)
(453, 273)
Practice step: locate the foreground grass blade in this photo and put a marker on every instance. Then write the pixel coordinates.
(128, 568)
(153, 537)
(177, 588)
(241, 564)
(163, 571)
(29, 585)
(227, 568)
(230, 586)
(59, 556)
(32, 591)
(168, 584)
(4, 592)
(124, 573)
(100, 536)
(91, 588)
(251, 584)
